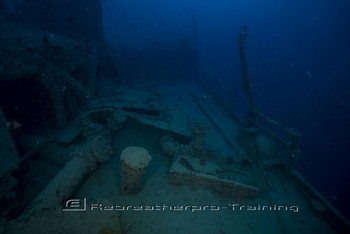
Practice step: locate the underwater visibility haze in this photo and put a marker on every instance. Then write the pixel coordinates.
(130, 101)
(298, 55)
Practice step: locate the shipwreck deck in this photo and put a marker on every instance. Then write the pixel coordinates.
(220, 188)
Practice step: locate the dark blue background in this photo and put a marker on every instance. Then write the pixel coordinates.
(299, 62)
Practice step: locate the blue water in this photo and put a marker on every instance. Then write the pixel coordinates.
(298, 58)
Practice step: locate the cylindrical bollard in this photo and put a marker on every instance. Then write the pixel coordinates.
(134, 161)
(169, 146)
